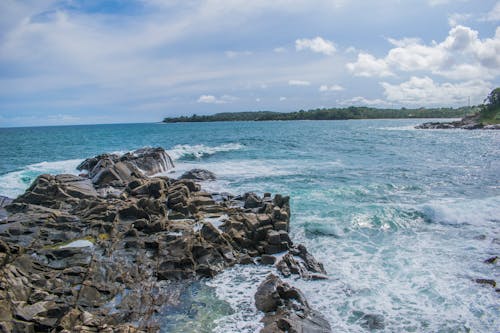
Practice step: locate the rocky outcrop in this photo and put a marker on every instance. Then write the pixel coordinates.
(108, 250)
(117, 171)
(286, 309)
(468, 122)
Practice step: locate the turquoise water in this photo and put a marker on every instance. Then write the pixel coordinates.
(402, 219)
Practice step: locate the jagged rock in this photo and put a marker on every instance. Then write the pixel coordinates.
(487, 282)
(491, 260)
(113, 170)
(52, 191)
(92, 253)
(267, 259)
(252, 201)
(286, 309)
(198, 174)
(299, 261)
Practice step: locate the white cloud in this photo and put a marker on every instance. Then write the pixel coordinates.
(457, 18)
(282, 99)
(424, 91)
(234, 54)
(298, 83)
(367, 66)
(335, 87)
(257, 100)
(317, 45)
(461, 50)
(494, 14)
(358, 100)
(279, 50)
(211, 99)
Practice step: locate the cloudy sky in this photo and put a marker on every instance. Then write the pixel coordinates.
(97, 61)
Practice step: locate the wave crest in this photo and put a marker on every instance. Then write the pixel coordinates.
(190, 152)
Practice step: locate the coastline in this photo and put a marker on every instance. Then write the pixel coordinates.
(83, 252)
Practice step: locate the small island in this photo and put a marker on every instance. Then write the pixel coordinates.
(487, 117)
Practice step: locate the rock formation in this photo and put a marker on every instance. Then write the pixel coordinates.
(468, 122)
(286, 309)
(108, 250)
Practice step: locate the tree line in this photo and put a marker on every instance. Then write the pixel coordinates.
(329, 114)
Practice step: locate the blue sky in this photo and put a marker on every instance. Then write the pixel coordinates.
(97, 61)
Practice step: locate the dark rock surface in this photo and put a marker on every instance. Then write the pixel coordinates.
(468, 122)
(107, 251)
(198, 174)
(299, 261)
(286, 309)
(117, 171)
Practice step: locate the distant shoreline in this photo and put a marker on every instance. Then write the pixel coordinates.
(351, 113)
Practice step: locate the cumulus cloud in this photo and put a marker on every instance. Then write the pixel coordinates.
(282, 99)
(367, 66)
(317, 45)
(298, 83)
(335, 87)
(211, 99)
(279, 50)
(462, 49)
(424, 91)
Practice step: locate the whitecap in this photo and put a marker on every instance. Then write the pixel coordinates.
(15, 183)
(198, 151)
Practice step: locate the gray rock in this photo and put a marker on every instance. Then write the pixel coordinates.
(198, 174)
(286, 309)
(267, 259)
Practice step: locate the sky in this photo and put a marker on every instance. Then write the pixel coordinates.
(116, 61)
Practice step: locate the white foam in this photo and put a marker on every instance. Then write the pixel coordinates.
(461, 211)
(216, 221)
(199, 151)
(78, 243)
(15, 183)
(237, 286)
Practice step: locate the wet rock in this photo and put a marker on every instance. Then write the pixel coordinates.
(252, 201)
(491, 260)
(114, 170)
(489, 282)
(55, 191)
(299, 261)
(286, 309)
(138, 237)
(372, 322)
(198, 174)
(266, 259)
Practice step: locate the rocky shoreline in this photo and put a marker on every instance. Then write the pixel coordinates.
(469, 122)
(106, 251)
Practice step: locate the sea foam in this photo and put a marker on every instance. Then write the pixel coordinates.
(15, 183)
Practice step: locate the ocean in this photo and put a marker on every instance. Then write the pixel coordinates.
(402, 219)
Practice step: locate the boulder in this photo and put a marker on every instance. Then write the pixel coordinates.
(286, 309)
(198, 174)
(115, 170)
(149, 160)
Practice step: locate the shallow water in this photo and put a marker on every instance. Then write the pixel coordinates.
(402, 219)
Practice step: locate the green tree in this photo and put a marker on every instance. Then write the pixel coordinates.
(493, 99)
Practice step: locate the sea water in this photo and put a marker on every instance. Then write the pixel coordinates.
(402, 219)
